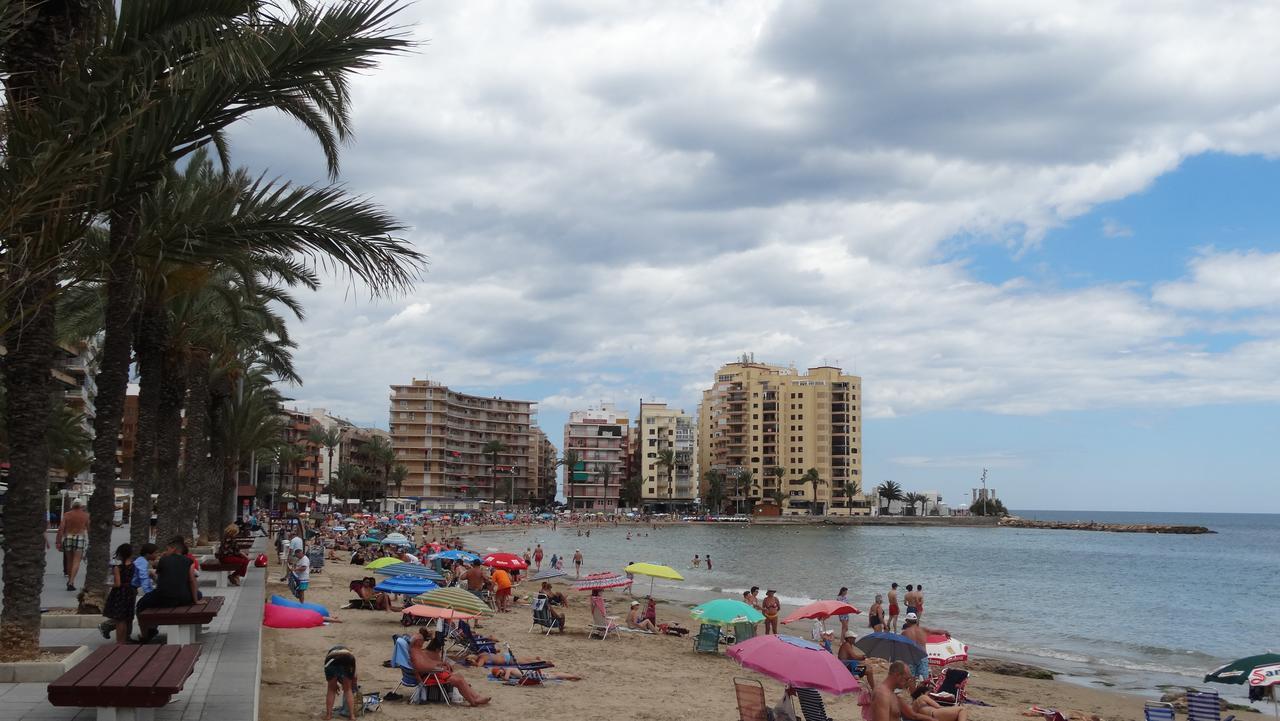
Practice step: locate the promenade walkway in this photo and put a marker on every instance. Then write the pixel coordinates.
(224, 685)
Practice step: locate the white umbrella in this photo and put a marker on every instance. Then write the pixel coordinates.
(945, 650)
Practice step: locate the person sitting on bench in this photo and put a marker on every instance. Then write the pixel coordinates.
(175, 585)
(229, 554)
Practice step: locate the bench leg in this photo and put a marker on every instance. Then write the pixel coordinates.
(220, 580)
(108, 713)
(187, 633)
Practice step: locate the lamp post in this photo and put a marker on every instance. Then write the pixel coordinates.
(984, 491)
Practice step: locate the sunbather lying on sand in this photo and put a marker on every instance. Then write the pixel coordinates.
(515, 674)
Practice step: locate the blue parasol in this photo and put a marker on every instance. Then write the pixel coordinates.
(456, 556)
(410, 569)
(408, 585)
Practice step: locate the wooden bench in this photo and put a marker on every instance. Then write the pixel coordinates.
(125, 682)
(218, 571)
(181, 624)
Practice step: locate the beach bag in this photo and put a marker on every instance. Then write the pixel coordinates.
(260, 561)
(369, 702)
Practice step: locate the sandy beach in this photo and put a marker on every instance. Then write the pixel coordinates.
(632, 676)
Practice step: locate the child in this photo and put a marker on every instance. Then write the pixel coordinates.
(340, 670)
(301, 570)
(118, 607)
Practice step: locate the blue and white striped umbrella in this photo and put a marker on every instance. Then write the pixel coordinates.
(408, 585)
(410, 569)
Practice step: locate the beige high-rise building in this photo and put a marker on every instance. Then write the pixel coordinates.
(544, 461)
(440, 435)
(599, 436)
(769, 419)
(659, 429)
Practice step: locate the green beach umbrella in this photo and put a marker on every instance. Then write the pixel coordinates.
(377, 563)
(724, 611)
(455, 598)
(1242, 670)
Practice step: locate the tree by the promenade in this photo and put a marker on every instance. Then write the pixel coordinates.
(814, 479)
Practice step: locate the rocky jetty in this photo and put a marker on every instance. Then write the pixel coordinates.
(1016, 522)
(1007, 668)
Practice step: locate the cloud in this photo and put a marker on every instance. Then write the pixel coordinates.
(618, 197)
(1226, 281)
(1113, 228)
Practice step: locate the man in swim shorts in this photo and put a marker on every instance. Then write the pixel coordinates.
(884, 700)
(910, 600)
(893, 608)
(770, 607)
(913, 630)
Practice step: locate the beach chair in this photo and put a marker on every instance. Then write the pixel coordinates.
(948, 690)
(1157, 711)
(410, 679)
(542, 615)
(708, 639)
(743, 631)
(601, 623)
(751, 703)
(811, 706)
(473, 643)
(1205, 706)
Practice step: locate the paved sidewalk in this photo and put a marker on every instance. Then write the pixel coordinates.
(224, 685)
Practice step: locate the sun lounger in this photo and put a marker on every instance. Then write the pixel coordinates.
(708, 639)
(1156, 711)
(811, 706)
(948, 690)
(1205, 706)
(751, 703)
(601, 623)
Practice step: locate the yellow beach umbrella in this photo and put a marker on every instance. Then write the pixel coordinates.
(654, 570)
(377, 563)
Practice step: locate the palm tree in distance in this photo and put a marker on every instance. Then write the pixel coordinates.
(330, 439)
(742, 483)
(667, 459)
(383, 456)
(287, 456)
(850, 489)
(570, 460)
(811, 477)
(492, 449)
(715, 490)
(888, 492)
(399, 474)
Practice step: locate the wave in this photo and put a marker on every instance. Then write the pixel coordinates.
(1124, 664)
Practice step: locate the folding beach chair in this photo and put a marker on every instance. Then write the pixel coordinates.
(464, 636)
(601, 623)
(542, 615)
(743, 631)
(811, 706)
(708, 639)
(1156, 711)
(751, 703)
(948, 690)
(1205, 706)
(410, 678)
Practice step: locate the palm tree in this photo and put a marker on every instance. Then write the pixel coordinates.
(779, 498)
(742, 483)
(811, 477)
(399, 474)
(632, 492)
(715, 490)
(328, 438)
(667, 459)
(850, 489)
(492, 449)
(383, 456)
(888, 492)
(570, 460)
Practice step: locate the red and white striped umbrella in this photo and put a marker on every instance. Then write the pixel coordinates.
(945, 650)
(508, 561)
(606, 579)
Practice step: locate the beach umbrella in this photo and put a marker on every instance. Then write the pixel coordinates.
(891, 647)
(546, 574)
(397, 538)
(507, 561)
(1260, 670)
(820, 610)
(369, 539)
(601, 581)
(945, 650)
(795, 662)
(724, 611)
(455, 598)
(407, 585)
(448, 614)
(340, 529)
(456, 556)
(377, 563)
(410, 569)
(653, 571)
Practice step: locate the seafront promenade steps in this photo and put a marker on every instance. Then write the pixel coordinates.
(222, 687)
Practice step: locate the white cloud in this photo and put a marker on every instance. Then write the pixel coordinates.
(619, 196)
(1113, 228)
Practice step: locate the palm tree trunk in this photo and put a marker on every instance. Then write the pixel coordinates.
(195, 445)
(168, 444)
(214, 502)
(113, 384)
(29, 343)
(153, 331)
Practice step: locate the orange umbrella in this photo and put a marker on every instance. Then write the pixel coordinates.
(447, 614)
(821, 610)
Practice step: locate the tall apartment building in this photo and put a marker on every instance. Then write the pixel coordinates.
(352, 448)
(544, 461)
(659, 429)
(600, 438)
(298, 481)
(759, 417)
(440, 435)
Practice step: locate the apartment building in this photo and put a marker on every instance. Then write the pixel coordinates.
(660, 429)
(600, 437)
(352, 448)
(544, 461)
(440, 435)
(298, 481)
(769, 420)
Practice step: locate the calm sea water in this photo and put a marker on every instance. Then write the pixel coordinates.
(1130, 610)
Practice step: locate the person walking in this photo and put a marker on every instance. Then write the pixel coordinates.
(72, 540)
(577, 563)
(537, 557)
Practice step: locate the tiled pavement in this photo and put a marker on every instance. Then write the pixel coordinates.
(224, 685)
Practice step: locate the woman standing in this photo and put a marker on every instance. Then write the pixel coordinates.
(875, 617)
(118, 607)
(843, 597)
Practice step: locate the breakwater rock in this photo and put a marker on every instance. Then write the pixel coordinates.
(1007, 668)
(1016, 522)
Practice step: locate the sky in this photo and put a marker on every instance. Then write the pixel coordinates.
(1044, 233)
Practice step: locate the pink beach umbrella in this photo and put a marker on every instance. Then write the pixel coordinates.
(795, 662)
(944, 650)
(820, 610)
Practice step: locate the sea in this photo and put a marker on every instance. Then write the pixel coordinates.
(1135, 612)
